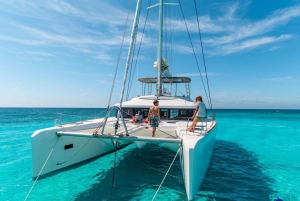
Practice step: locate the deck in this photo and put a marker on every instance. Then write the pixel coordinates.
(168, 131)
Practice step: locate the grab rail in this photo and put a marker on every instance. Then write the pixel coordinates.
(205, 127)
(58, 121)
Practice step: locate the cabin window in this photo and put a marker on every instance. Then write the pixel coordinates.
(144, 111)
(181, 113)
(127, 112)
(186, 113)
(174, 113)
(163, 113)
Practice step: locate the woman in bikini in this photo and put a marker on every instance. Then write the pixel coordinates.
(154, 116)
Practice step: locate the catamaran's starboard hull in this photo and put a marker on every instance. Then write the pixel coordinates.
(195, 158)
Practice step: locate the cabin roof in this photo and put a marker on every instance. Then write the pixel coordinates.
(165, 80)
(164, 102)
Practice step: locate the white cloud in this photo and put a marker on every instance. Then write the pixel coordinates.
(273, 48)
(59, 23)
(39, 53)
(63, 8)
(23, 41)
(250, 29)
(103, 56)
(249, 44)
(231, 34)
(279, 78)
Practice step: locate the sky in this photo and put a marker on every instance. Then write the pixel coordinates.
(65, 53)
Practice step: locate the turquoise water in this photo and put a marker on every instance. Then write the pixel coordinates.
(256, 157)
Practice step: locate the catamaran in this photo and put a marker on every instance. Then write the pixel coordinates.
(64, 145)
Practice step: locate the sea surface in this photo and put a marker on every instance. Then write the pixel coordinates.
(256, 157)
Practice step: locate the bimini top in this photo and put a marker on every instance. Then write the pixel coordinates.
(165, 80)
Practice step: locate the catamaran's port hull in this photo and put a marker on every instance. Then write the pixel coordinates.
(51, 152)
(59, 147)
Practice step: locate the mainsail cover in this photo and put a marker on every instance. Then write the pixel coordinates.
(164, 67)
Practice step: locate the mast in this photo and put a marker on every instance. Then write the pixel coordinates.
(132, 40)
(159, 49)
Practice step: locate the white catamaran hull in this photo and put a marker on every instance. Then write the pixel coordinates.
(64, 146)
(195, 157)
(51, 152)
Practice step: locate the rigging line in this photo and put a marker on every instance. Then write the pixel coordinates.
(75, 153)
(42, 169)
(130, 71)
(105, 142)
(204, 62)
(175, 91)
(138, 53)
(130, 82)
(100, 113)
(149, 24)
(126, 113)
(137, 85)
(129, 77)
(166, 33)
(171, 84)
(193, 51)
(166, 133)
(166, 174)
(114, 172)
(170, 11)
(169, 33)
(156, 33)
(113, 83)
(152, 167)
(171, 39)
(162, 75)
(101, 124)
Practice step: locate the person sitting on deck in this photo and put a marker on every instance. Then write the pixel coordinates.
(199, 113)
(138, 117)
